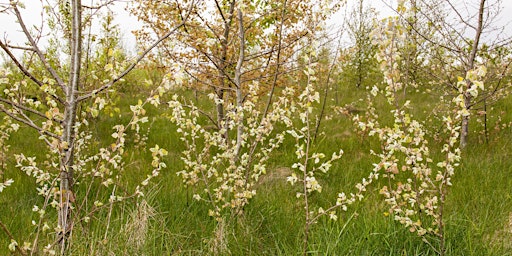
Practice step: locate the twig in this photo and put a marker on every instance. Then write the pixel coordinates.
(137, 60)
(4, 228)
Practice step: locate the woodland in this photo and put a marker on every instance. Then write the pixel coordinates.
(256, 127)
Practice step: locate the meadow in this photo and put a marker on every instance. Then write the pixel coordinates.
(168, 221)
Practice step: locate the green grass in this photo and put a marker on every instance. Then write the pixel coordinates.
(478, 210)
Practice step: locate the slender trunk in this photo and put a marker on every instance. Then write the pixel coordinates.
(238, 83)
(220, 105)
(465, 123)
(68, 135)
(441, 222)
(470, 65)
(485, 123)
(326, 91)
(222, 66)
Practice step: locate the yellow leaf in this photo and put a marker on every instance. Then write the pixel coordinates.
(109, 67)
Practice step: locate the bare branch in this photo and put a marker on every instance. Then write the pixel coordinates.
(19, 65)
(137, 60)
(220, 10)
(20, 47)
(25, 71)
(459, 15)
(25, 108)
(27, 122)
(36, 48)
(278, 59)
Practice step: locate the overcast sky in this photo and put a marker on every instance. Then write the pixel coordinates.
(127, 23)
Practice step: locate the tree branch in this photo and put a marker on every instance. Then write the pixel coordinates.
(36, 48)
(25, 71)
(28, 122)
(278, 64)
(139, 59)
(4, 228)
(25, 108)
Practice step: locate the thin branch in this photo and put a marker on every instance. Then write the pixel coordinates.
(181, 15)
(220, 10)
(203, 113)
(459, 15)
(9, 234)
(100, 5)
(278, 59)
(36, 48)
(20, 47)
(208, 26)
(19, 65)
(490, 94)
(28, 122)
(326, 89)
(139, 59)
(421, 34)
(25, 108)
(222, 71)
(25, 71)
(269, 51)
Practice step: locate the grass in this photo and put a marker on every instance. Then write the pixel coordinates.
(168, 222)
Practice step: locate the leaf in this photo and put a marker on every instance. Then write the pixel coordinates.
(109, 67)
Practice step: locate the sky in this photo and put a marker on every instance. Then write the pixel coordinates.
(32, 15)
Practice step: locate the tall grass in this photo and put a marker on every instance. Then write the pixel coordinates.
(168, 222)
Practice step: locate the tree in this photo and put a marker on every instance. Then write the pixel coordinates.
(61, 93)
(362, 68)
(207, 46)
(455, 47)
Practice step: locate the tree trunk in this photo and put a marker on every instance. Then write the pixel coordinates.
(68, 135)
(465, 124)
(238, 83)
(471, 64)
(222, 66)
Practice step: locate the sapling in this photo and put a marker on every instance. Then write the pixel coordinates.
(309, 164)
(60, 114)
(226, 171)
(417, 185)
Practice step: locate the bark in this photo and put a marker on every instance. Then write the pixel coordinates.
(470, 65)
(222, 66)
(238, 83)
(68, 135)
(465, 124)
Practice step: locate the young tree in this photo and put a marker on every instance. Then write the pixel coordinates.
(455, 47)
(207, 48)
(50, 96)
(362, 68)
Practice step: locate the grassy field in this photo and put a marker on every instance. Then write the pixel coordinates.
(169, 222)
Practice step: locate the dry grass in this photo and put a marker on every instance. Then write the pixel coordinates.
(274, 176)
(503, 237)
(136, 228)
